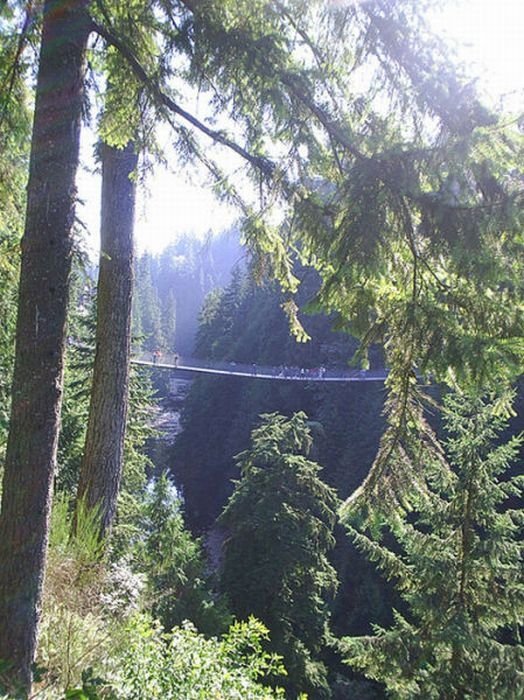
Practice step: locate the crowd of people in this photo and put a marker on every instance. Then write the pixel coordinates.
(303, 373)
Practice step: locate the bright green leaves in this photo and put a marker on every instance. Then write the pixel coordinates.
(272, 258)
(296, 328)
(184, 664)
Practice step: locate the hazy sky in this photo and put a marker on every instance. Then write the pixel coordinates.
(490, 38)
(489, 34)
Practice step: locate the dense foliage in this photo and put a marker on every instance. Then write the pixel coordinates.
(278, 531)
(362, 153)
(95, 642)
(178, 582)
(458, 568)
(184, 664)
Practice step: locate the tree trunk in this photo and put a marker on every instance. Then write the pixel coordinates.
(101, 467)
(42, 307)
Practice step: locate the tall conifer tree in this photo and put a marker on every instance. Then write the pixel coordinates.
(458, 568)
(40, 335)
(101, 468)
(279, 524)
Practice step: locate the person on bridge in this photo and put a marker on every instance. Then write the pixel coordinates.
(176, 359)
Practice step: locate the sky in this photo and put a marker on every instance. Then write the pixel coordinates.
(489, 39)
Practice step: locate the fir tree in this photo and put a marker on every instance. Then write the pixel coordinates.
(40, 332)
(279, 524)
(148, 305)
(458, 567)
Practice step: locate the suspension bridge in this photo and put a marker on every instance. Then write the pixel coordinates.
(282, 373)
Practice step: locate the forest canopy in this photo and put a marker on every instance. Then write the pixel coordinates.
(375, 191)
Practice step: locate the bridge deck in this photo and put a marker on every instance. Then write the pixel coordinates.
(265, 372)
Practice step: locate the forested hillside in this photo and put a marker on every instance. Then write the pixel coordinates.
(170, 289)
(300, 539)
(245, 323)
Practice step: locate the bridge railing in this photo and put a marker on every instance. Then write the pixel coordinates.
(167, 359)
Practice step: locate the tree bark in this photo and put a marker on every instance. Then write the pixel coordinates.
(42, 306)
(101, 468)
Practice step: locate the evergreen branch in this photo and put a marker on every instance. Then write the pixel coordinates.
(451, 100)
(317, 55)
(217, 96)
(212, 167)
(406, 450)
(319, 58)
(299, 92)
(333, 129)
(261, 163)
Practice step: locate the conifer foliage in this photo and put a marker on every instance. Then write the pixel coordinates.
(458, 568)
(178, 585)
(279, 524)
